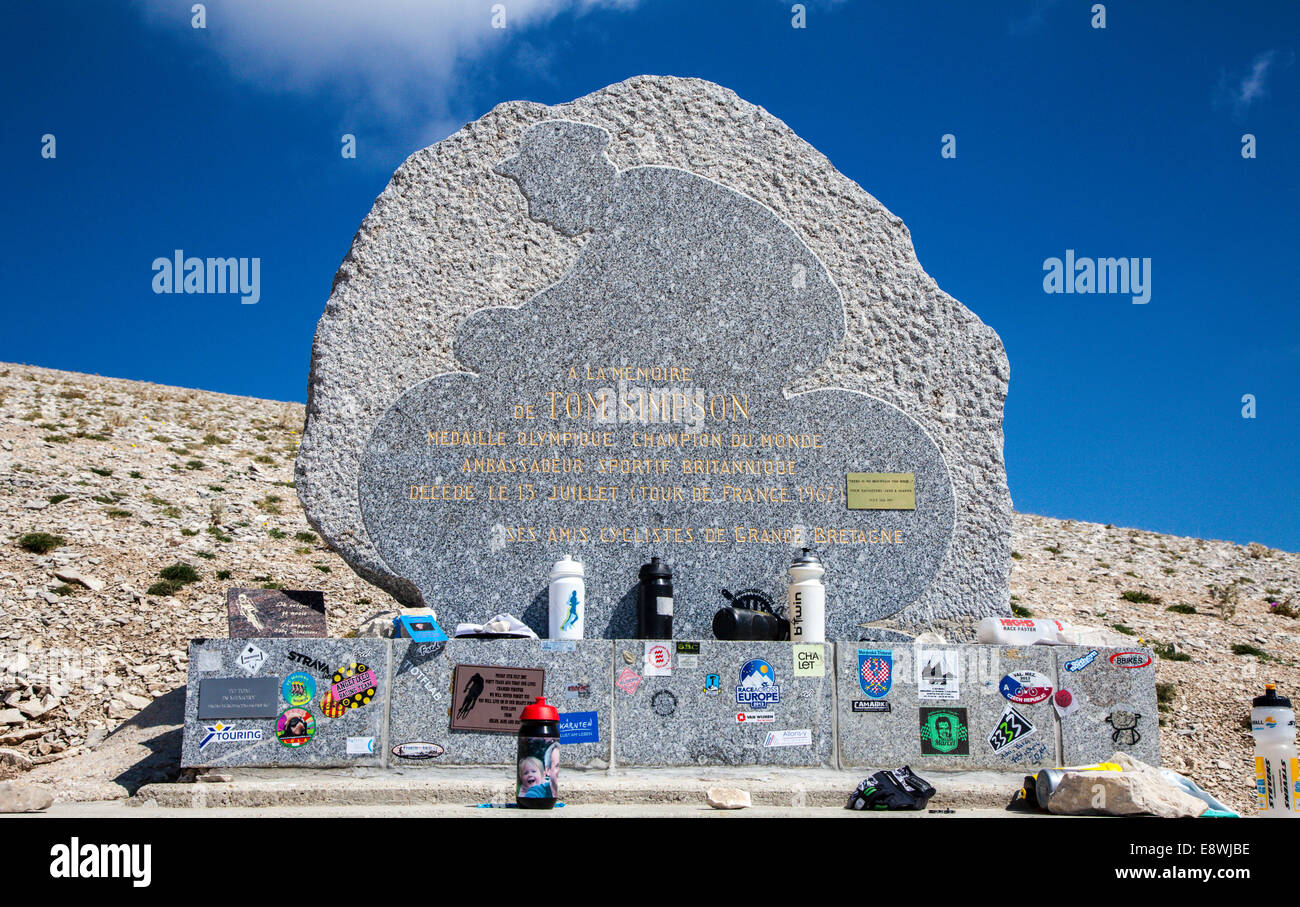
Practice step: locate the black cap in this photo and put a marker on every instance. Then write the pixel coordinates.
(656, 569)
(807, 557)
(1270, 699)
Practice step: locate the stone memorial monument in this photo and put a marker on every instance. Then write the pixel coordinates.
(652, 322)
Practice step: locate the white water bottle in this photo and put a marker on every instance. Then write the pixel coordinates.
(568, 605)
(807, 599)
(1272, 723)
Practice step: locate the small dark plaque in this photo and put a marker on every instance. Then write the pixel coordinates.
(239, 697)
(256, 613)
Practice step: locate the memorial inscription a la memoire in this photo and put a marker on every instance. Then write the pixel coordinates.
(687, 382)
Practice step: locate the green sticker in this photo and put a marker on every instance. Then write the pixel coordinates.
(944, 732)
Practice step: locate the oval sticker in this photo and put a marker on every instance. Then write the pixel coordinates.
(1025, 687)
(418, 750)
(1130, 660)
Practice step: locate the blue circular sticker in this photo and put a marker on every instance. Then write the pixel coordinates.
(299, 688)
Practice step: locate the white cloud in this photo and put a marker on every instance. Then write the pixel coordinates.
(389, 57)
(1252, 86)
(1242, 89)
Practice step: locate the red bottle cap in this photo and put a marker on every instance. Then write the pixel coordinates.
(540, 711)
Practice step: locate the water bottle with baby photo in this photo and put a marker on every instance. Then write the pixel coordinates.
(537, 768)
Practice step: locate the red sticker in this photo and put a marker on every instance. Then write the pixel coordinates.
(628, 681)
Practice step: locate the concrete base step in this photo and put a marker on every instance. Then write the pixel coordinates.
(773, 787)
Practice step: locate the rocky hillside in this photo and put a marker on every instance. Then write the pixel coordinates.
(127, 509)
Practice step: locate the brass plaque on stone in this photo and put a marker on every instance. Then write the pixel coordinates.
(881, 490)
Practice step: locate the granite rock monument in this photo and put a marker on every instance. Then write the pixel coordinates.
(652, 321)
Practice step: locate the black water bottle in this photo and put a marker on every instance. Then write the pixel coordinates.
(537, 767)
(654, 601)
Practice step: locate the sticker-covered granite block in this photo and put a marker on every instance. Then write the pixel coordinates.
(708, 702)
(269, 702)
(945, 707)
(496, 678)
(1111, 705)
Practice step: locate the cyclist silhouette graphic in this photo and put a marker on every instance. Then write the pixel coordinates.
(572, 617)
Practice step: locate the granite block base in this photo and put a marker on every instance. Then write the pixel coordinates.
(634, 702)
(304, 670)
(578, 681)
(723, 703)
(1114, 692)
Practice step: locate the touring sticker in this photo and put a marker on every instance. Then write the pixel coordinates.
(221, 733)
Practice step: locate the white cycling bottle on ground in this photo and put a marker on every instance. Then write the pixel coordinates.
(568, 600)
(807, 599)
(1272, 724)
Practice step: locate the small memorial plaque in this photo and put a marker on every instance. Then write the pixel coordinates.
(422, 629)
(881, 490)
(238, 697)
(280, 613)
(490, 699)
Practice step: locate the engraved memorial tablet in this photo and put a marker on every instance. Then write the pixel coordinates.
(238, 697)
(491, 699)
(636, 408)
(265, 613)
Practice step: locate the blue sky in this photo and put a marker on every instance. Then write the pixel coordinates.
(1122, 141)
